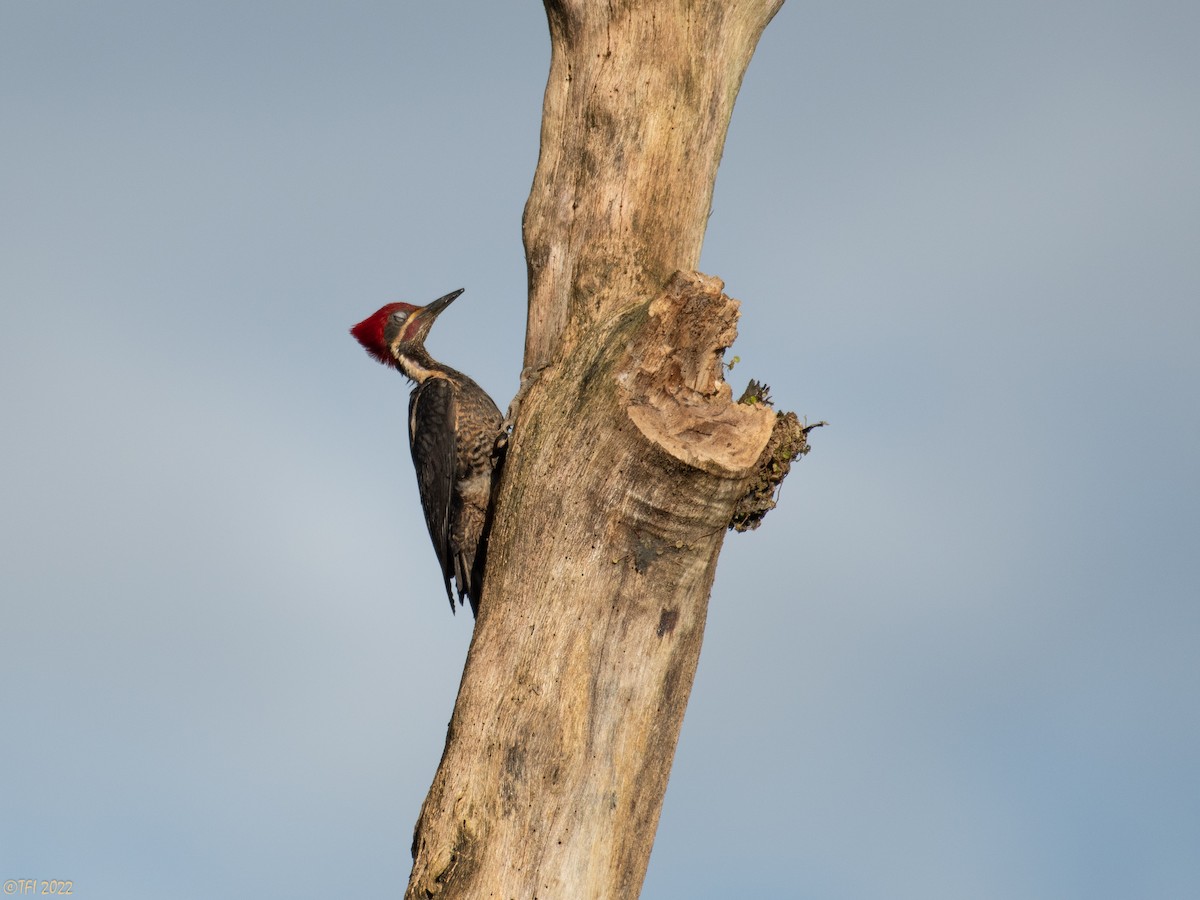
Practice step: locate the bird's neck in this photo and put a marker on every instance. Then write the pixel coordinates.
(418, 365)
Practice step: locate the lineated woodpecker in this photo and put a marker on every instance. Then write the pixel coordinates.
(454, 430)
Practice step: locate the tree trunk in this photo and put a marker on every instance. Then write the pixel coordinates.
(626, 463)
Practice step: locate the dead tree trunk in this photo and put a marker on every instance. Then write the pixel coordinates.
(626, 465)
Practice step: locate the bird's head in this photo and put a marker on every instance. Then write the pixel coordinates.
(388, 331)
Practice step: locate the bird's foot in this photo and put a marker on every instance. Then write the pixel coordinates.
(529, 376)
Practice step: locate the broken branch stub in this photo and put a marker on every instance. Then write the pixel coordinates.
(788, 442)
(674, 386)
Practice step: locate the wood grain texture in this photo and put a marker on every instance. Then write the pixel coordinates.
(634, 120)
(626, 461)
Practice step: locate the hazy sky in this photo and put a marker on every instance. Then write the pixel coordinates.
(961, 660)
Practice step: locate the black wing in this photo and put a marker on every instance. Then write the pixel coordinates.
(431, 417)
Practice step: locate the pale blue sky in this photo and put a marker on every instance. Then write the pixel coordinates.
(959, 661)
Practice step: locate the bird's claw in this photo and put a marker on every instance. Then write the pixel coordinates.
(529, 375)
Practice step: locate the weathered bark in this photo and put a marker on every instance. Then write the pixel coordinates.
(636, 111)
(626, 463)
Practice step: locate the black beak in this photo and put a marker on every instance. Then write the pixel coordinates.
(434, 309)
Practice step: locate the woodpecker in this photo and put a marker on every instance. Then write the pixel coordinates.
(453, 429)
